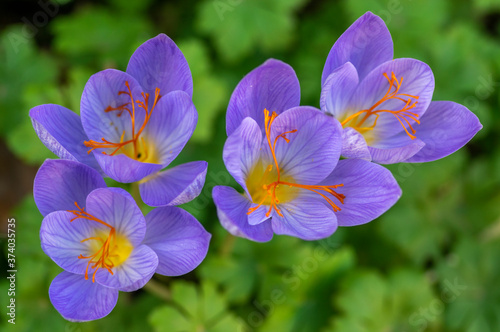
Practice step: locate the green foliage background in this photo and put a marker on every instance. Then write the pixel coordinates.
(432, 263)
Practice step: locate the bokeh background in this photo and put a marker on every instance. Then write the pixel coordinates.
(432, 263)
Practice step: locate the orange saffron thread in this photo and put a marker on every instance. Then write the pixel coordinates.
(101, 258)
(271, 188)
(131, 109)
(403, 115)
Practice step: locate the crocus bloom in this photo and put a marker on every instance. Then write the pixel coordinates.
(384, 105)
(103, 242)
(286, 158)
(133, 124)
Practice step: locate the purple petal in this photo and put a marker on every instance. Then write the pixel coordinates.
(306, 218)
(175, 186)
(338, 89)
(124, 169)
(354, 145)
(242, 150)
(61, 131)
(232, 208)
(132, 274)
(178, 239)
(159, 63)
(118, 210)
(60, 183)
(313, 150)
(259, 215)
(366, 44)
(273, 86)
(369, 189)
(81, 300)
(61, 240)
(171, 125)
(396, 154)
(445, 127)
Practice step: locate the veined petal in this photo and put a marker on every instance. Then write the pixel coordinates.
(305, 217)
(60, 183)
(174, 186)
(242, 150)
(273, 86)
(61, 240)
(232, 209)
(313, 150)
(178, 239)
(61, 131)
(445, 127)
(392, 154)
(124, 169)
(366, 44)
(338, 89)
(171, 125)
(117, 208)
(354, 145)
(369, 189)
(159, 63)
(135, 271)
(80, 300)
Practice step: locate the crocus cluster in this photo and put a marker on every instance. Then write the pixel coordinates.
(132, 125)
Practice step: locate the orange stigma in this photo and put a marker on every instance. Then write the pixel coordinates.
(403, 115)
(140, 150)
(270, 189)
(102, 257)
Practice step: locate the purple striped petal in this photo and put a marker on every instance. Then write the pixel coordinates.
(118, 210)
(397, 154)
(369, 189)
(232, 208)
(134, 272)
(338, 89)
(61, 131)
(159, 63)
(124, 169)
(81, 300)
(175, 186)
(178, 239)
(306, 218)
(445, 127)
(60, 183)
(354, 145)
(366, 44)
(273, 86)
(171, 125)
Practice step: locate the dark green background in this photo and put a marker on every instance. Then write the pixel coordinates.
(432, 263)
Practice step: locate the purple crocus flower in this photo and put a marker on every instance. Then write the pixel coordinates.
(133, 124)
(286, 158)
(384, 105)
(101, 239)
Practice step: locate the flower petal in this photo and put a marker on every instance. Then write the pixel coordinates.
(60, 183)
(171, 125)
(242, 150)
(273, 86)
(445, 127)
(123, 169)
(159, 63)
(178, 239)
(338, 89)
(369, 189)
(366, 44)
(306, 218)
(61, 131)
(175, 186)
(118, 209)
(232, 208)
(61, 240)
(81, 300)
(354, 145)
(396, 154)
(313, 150)
(135, 272)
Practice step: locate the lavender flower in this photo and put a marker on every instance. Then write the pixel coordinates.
(286, 158)
(384, 105)
(135, 123)
(100, 238)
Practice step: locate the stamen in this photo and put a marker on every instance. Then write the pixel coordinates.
(403, 115)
